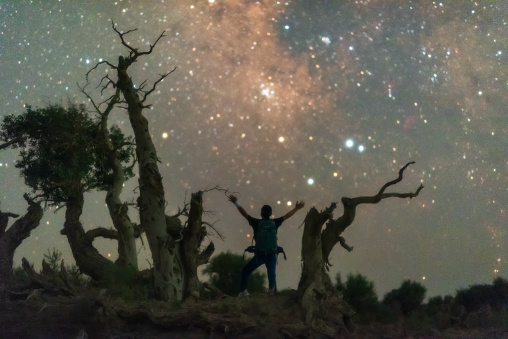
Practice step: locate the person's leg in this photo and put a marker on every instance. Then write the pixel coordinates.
(271, 262)
(247, 270)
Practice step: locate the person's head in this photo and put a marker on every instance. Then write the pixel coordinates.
(266, 211)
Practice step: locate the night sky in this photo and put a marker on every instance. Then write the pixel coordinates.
(281, 101)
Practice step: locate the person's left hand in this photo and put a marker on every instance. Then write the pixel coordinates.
(299, 205)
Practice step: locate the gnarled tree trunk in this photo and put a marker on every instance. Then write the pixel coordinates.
(168, 275)
(88, 259)
(193, 235)
(11, 238)
(127, 254)
(316, 293)
(323, 307)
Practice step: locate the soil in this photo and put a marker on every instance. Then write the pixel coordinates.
(96, 315)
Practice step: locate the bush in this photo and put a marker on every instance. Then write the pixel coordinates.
(407, 298)
(360, 294)
(225, 271)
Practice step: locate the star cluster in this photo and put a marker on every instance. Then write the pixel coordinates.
(297, 100)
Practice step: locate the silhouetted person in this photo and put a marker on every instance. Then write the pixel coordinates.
(266, 249)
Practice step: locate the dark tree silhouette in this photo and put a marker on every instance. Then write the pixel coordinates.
(476, 296)
(360, 294)
(11, 237)
(407, 298)
(61, 159)
(175, 248)
(316, 292)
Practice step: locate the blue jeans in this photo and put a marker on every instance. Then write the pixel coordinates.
(269, 261)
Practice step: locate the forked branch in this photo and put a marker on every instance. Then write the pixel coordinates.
(101, 232)
(334, 228)
(161, 77)
(133, 52)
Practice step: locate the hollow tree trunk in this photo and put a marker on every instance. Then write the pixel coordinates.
(11, 238)
(87, 258)
(322, 305)
(168, 275)
(317, 295)
(193, 235)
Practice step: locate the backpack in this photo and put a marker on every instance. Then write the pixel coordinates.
(265, 235)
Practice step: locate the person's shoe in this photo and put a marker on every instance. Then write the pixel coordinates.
(272, 292)
(244, 294)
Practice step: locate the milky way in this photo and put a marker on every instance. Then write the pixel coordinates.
(296, 100)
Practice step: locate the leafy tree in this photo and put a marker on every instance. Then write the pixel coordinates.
(339, 285)
(495, 295)
(407, 297)
(360, 294)
(61, 158)
(225, 271)
(53, 258)
(501, 288)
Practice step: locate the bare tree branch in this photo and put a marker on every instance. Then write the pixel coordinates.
(101, 232)
(10, 142)
(212, 226)
(97, 65)
(4, 221)
(133, 52)
(205, 255)
(334, 228)
(162, 76)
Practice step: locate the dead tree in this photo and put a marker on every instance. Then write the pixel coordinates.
(127, 231)
(192, 255)
(174, 248)
(12, 237)
(316, 292)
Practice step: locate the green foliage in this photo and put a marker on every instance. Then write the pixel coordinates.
(62, 151)
(407, 298)
(360, 294)
(339, 285)
(53, 258)
(122, 283)
(20, 277)
(495, 295)
(225, 271)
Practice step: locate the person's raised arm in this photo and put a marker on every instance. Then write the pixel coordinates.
(242, 211)
(298, 205)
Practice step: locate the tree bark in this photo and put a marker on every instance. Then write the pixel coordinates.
(168, 275)
(11, 238)
(317, 295)
(193, 235)
(322, 305)
(127, 253)
(88, 259)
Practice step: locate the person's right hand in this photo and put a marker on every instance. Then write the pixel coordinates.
(299, 205)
